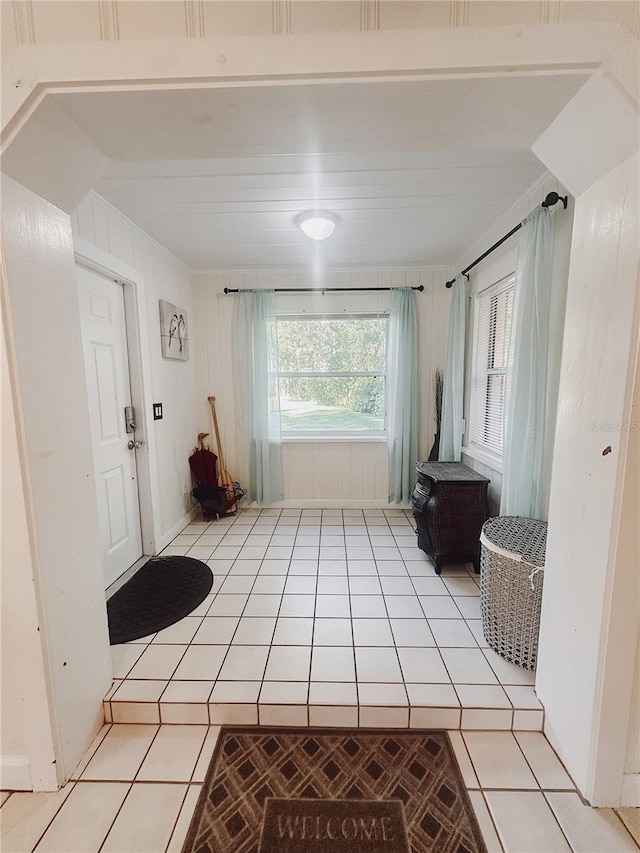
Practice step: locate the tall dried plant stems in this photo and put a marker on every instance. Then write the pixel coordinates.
(438, 384)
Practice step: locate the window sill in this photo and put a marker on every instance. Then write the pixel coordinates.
(344, 439)
(491, 460)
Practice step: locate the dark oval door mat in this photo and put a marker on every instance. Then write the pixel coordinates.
(287, 790)
(163, 591)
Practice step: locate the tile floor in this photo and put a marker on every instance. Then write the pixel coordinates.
(137, 787)
(322, 617)
(329, 617)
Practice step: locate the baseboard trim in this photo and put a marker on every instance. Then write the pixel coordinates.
(179, 526)
(328, 504)
(15, 773)
(630, 793)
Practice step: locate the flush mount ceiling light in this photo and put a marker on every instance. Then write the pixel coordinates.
(316, 224)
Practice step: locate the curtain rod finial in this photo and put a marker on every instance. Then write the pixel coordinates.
(450, 283)
(554, 198)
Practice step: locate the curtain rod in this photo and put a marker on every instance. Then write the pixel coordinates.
(324, 289)
(550, 200)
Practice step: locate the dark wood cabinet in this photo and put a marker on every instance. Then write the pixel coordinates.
(449, 504)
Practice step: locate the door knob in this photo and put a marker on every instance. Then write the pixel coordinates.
(135, 445)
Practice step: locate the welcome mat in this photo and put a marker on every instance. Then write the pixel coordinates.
(281, 790)
(163, 591)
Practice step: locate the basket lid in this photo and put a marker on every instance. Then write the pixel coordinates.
(517, 537)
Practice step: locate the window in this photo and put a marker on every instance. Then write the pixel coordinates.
(332, 374)
(490, 372)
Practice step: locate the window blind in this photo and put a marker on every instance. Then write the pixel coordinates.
(494, 312)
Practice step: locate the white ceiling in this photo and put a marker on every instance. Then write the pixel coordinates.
(416, 171)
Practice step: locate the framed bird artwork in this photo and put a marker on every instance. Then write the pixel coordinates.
(173, 331)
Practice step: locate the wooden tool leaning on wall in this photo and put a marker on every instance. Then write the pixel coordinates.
(224, 479)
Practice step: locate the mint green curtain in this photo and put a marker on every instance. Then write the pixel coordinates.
(257, 350)
(528, 411)
(453, 385)
(402, 394)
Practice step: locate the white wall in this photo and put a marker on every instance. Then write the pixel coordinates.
(591, 606)
(36, 161)
(315, 473)
(172, 383)
(56, 461)
(585, 674)
(27, 752)
(630, 553)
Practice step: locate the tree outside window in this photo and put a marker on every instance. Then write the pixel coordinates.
(332, 374)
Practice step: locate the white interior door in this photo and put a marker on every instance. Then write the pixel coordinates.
(104, 338)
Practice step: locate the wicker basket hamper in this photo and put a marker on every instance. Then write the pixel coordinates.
(511, 575)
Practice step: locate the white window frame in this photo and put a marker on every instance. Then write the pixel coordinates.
(338, 435)
(485, 452)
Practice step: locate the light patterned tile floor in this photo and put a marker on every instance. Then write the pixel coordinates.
(328, 618)
(337, 611)
(139, 784)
